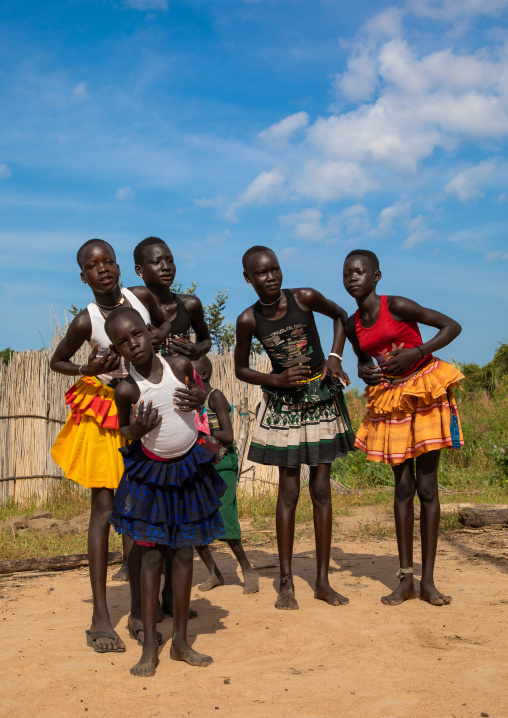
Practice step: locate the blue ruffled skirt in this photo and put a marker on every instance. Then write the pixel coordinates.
(175, 503)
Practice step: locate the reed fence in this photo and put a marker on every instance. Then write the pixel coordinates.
(32, 412)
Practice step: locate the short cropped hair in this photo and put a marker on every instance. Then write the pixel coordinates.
(81, 250)
(203, 363)
(366, 253)
(139, 248)
(254, 250)
(118, 312)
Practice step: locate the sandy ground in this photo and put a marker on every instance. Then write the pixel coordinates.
(365, 659)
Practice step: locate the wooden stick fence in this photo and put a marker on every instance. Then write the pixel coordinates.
(32, 412)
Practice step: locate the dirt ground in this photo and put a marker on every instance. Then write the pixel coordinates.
(364, 659)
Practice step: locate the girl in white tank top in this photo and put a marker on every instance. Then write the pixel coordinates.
(176, 434)
(100, 337)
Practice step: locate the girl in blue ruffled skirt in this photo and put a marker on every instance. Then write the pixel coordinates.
(169, 495)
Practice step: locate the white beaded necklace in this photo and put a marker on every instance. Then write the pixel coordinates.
(269, 304)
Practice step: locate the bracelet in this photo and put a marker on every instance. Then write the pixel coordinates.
(79, 369)
(333, 354)
(421, 351)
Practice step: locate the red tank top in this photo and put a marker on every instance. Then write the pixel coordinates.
(388, 334)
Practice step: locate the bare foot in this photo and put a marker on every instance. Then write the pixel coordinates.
(123, 572)
(404, 592)
(214, 579)
(286, 600)
(190, 656)
(326, 593)
(429, 593)
(110, 642)
(250, 581)
(146, 665)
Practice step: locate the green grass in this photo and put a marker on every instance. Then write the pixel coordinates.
(67, 501)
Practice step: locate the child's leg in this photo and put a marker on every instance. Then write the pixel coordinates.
(215, 578)
(98, 534)
(320, 493)
(403, 508)
(182, 584)
(151, 569)
(250, 576)
(167, 589)
(427, 488)
(287, 501)
(123, 572)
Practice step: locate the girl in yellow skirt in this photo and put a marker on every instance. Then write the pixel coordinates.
(411, 413)
(87, 447)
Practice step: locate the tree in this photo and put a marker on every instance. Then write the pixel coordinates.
(6, 354)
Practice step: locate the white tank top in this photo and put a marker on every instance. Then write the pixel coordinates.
(176, 434)
(100, 337)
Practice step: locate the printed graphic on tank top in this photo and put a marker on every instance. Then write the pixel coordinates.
(176, 433)
(100, 337)
(387, 335)
(291, 340)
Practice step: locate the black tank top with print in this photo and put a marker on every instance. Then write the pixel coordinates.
(291, 340)
(180, 326)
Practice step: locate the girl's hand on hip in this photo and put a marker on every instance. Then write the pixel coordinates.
(189, 398)
(144, 420)
(371, 374)
(333, 367)
(293, 376)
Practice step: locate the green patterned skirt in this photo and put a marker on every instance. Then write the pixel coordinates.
(305, 425)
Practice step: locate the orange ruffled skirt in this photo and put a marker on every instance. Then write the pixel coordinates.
(87, 447)
(407, 418)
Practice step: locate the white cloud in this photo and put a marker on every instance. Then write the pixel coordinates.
(125, 194)
(209, 201)
(5, 171)
(419, 232)
(307, 224)
(466, 183)
(332, 180)
(146, 4)
(360, 79)
(79, 93)
(280, 132)
(267, 187)
(390, 215)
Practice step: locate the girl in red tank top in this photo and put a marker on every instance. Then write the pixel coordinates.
(411, 413)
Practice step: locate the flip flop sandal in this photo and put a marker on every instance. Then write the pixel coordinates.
(92, 636)
(135, 630)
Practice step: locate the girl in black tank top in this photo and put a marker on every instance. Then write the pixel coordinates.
(302, 417)
(291, 340)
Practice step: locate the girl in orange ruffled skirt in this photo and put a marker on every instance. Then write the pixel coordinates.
(411, 412)
(87, 447)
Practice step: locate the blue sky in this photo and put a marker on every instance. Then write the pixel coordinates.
(313, 126)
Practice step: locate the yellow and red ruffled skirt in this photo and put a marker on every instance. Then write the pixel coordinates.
(409, 417)
(87, 447)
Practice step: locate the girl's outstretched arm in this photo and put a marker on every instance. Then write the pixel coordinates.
(79, 332)
(314, 301)
(367, 369)
(245, 326)
(405, 310)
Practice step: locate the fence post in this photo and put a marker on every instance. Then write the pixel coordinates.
(244, 414)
